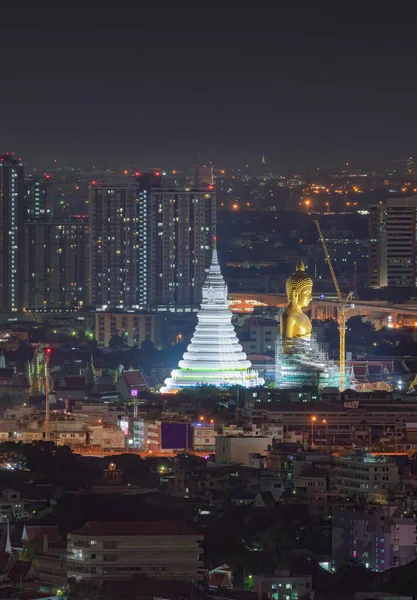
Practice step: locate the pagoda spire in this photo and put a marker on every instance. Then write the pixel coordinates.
(214, 356)
(214, 257)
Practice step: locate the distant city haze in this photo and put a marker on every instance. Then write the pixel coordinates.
(105, 90)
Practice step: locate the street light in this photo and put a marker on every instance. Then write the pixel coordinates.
(325, 423)
(313, 420)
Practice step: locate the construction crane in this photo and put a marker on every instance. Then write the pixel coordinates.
(344, 307)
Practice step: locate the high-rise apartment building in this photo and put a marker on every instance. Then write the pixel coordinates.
(36, 198)
(56, 264)
(176, 232)
(114, 246)
(392, 243)
(12, 233)
(150, 246)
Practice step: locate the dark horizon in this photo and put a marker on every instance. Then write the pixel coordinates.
(115, 90)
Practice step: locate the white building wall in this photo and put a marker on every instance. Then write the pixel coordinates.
(237, 449)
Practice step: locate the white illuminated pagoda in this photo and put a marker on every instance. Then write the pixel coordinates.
(214, 356)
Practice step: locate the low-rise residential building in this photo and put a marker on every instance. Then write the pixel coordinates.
(203, 437)
(237, 449)
(306, 483)
(284, 586)
(134, 328)
(147, 434)
(334, 422)
(380, 537)
(14, 387)
(73, 438)
(103, 551)
(68, 431)
(261, 480)
(11, 505)
(98, 413)
(106, 436)
(202, 480)
(29, 436)
(360, 474)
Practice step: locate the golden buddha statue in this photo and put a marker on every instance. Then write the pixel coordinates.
(300, 361)
(294, 323)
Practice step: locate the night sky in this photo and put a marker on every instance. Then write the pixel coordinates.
(307, 88)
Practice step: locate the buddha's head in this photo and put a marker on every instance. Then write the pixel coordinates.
(299, 287)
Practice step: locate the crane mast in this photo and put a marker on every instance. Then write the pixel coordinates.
(342, 312)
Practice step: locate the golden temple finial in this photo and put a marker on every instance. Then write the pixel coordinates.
(300, 266)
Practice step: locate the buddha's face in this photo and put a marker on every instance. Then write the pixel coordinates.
(303, 298)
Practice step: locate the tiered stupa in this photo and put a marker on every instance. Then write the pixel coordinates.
(214, 356)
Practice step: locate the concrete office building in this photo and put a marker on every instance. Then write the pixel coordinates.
(392, 243)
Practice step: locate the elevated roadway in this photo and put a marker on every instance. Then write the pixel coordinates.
(324, 309)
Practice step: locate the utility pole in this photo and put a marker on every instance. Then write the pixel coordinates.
(47, 357)
(396, 436)
(313, 420)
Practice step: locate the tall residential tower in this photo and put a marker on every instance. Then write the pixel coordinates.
(150, 245)
(392, 243)
(12, 233)
(114, 246)
(176, 229)
(56, 264)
